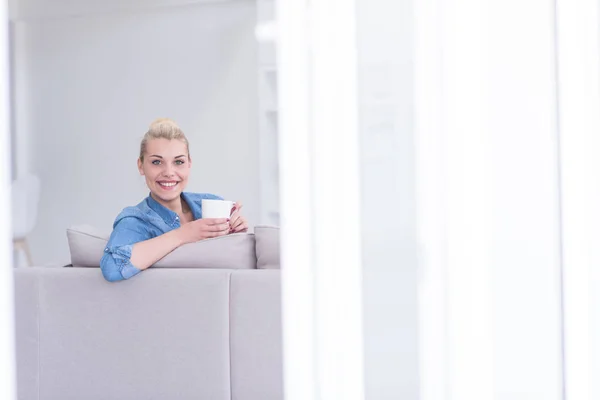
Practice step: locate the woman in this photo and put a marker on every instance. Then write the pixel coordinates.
(168, 217)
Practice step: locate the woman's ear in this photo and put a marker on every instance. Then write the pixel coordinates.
(139, 163)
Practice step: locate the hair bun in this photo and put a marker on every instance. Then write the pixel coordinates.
(163, 121)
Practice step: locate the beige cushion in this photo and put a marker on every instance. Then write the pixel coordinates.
(235, 251)
(267, 247)
(87, 245)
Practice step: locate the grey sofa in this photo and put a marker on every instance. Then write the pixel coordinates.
(165, 334)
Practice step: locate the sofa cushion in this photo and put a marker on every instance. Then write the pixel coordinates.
(87, 245)
(235, 251)
(267, 247)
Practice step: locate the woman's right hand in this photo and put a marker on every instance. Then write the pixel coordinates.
(204, 228)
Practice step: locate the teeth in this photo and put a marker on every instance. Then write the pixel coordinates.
(169, 184)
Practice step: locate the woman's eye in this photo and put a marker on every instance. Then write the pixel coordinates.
(156, 162)
(179, 162)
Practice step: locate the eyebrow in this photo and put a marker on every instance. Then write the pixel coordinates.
(157, 156)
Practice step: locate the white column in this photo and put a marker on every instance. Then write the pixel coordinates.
(7, 345)
(579, 111)
(322, 301)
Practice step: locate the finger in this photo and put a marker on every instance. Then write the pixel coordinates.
(234, 218)
(235, 213)
(242, 227)
(219, 228)
(235, 223)
(236, 207)
(238, 222)
(217, 234)
(214, 221)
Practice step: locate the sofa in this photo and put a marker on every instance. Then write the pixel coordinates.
(167, 333)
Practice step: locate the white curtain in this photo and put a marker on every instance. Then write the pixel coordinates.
(489, 201)
(506, 135)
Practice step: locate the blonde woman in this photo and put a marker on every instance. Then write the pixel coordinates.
(168, 217)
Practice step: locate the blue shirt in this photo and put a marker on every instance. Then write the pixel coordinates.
(147, 220)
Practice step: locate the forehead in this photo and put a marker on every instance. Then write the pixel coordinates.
(166, 148)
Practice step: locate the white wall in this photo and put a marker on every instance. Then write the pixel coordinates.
(88, 87)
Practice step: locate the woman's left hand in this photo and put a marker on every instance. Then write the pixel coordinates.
(237, 222)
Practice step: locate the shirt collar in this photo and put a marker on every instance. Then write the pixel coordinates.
(167, 215)
(195, 207)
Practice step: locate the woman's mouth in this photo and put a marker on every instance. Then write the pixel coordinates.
(168, 185)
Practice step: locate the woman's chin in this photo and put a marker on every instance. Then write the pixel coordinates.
(166, 195)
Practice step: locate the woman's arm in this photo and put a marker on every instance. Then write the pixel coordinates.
(130, 250)
(147, 253)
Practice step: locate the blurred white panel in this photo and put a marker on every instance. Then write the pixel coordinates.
(467, 201)
(525, 224)
(321, 260)
(579, 106)
(336, 195)
(430, 148)
(297, 269)
(488, 204)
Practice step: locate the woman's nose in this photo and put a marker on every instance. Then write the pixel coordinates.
(168, 173)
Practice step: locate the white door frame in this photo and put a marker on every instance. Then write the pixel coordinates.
(7, 343)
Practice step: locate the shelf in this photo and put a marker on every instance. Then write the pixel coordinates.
(268, 113)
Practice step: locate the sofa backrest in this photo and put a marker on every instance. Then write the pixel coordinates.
(165, 334)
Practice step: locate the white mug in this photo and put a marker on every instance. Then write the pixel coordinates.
(216, 208)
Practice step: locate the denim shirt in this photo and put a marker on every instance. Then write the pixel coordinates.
(147, 220)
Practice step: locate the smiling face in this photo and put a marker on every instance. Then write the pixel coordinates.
(166, 167)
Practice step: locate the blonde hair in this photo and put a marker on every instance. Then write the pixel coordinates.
(163, 128)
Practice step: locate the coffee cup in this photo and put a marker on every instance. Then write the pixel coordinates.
(216, 208)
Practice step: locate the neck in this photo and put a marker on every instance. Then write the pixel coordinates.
(175, 205)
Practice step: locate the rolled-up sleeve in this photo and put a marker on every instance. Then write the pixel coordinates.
(116, 262)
